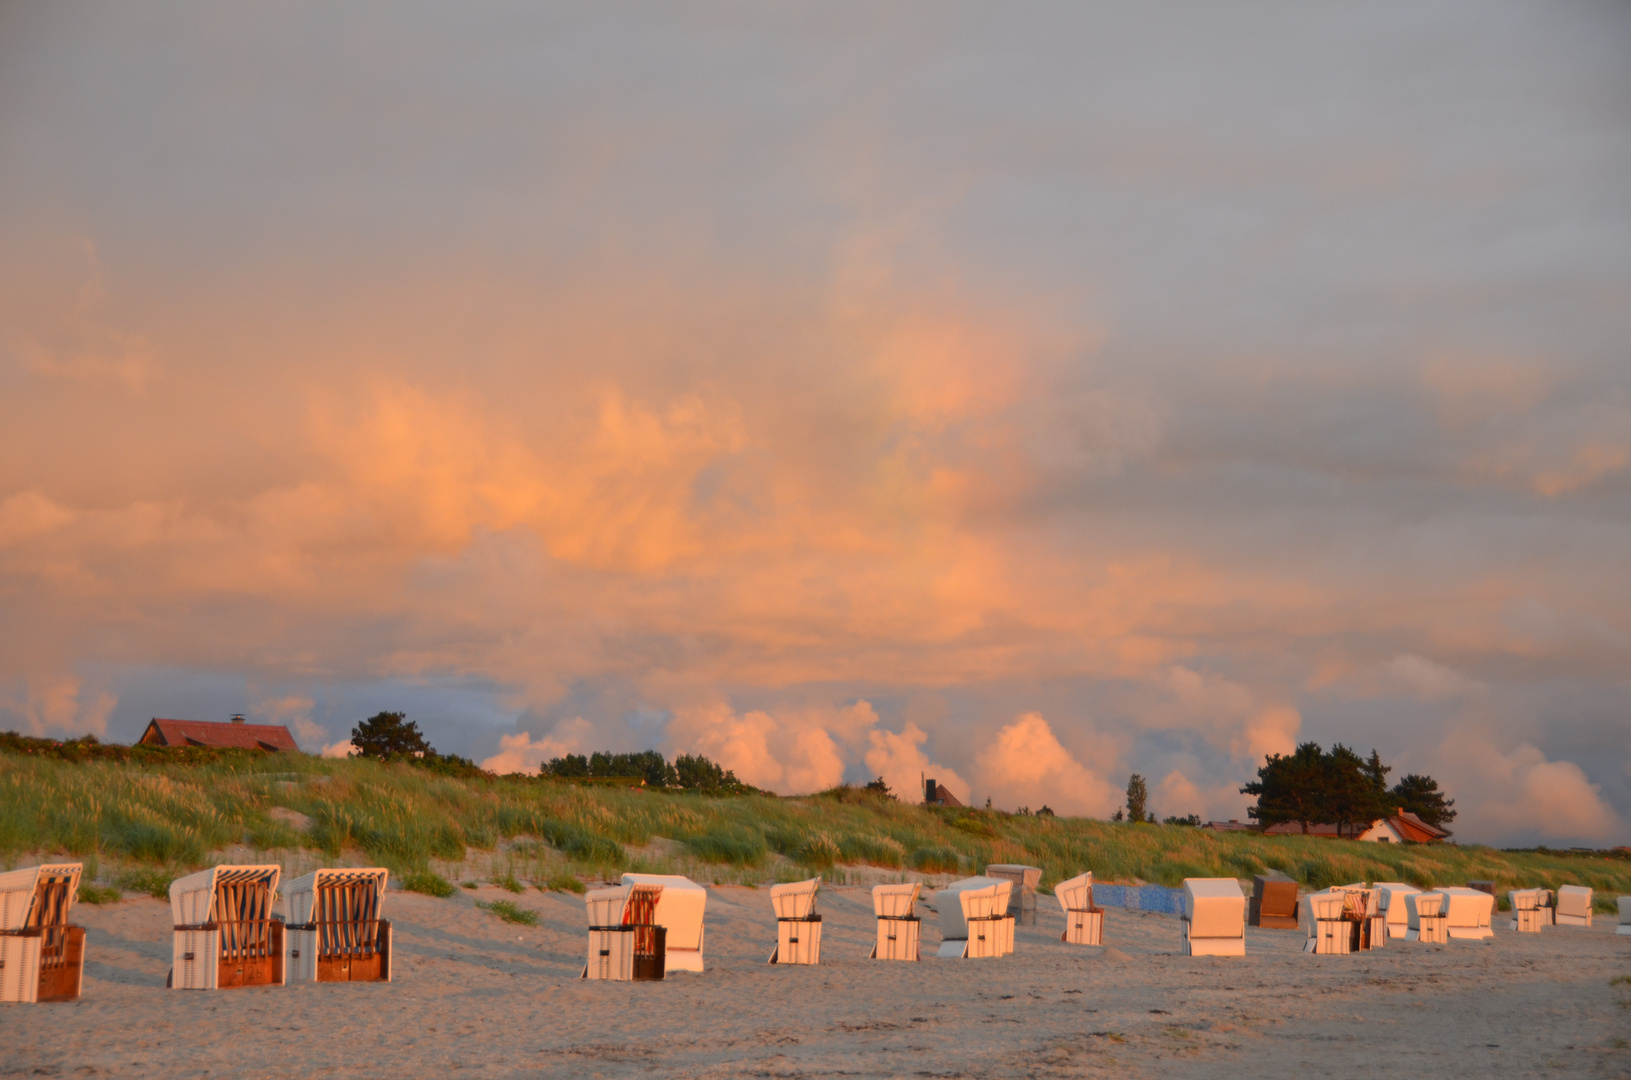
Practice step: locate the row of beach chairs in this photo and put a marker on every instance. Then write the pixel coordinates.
(226, 935)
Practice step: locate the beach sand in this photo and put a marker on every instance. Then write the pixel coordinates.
(475, 996)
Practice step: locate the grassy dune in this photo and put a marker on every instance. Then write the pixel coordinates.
(136, 823)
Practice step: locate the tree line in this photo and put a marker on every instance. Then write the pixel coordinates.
(690, 772)
(1313, 786)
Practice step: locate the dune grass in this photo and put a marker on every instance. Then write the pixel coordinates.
(138, 823)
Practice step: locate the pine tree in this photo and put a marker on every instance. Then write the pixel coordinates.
(1138, 797)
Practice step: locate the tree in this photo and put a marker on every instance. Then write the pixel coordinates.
(1376, 772)
(389, 735)
(1420, 795)
(880, 788)
(1351, 796)
(1191, 819)
(697, 773)
(1138, 797)
(1290, 788)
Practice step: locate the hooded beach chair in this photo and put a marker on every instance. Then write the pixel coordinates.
(1573, 905)
(42, 957)
(1364, 911)
(679, 910)
(625, 942)
(1022, 902)
(335, 933)
(1426, 919)
(899, 928)
(1528, 914)
(1469, 913)
(798, 927)
(974, 919)
(1214, 917)
(1624, 929)
(1273, 903)
(225, 934)
(1084, 921)
(1329, 932)
(1390, 902)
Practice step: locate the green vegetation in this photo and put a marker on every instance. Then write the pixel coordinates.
(144, 819)
(93, 894)
(510, 912)
(564, 883)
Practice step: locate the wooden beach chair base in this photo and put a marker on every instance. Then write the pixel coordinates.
(798, 941)
(199, 964)
(899, 939)
(1433, 930)
(307, 962)
(1083, 928)
(42, 965)
(1331, 937)
(1528, 920)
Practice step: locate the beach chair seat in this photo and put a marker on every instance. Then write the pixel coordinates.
(1573, 905)
(1329, 933)
(1084, 920)
(42, 956)
(225, 934)
(974, 919)
(899, 931)
(1528, 916)
(798, 927)
(1273, 903)
(1624, 929)
(1427, 921)
(1025, 879)
(335, 932)
(1214, 917)
(679, 911)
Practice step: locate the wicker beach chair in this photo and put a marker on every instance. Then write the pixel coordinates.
(1329, 933)
(1427, 920)
(1528, 914)
(625, 942)
(1214, 917)
(1390, 902)
(1273, 903)
(225, 933)
(1084, 920)
(974, 919)
(1363, 909)
(679, 910)
(1468, 913)
(798, 927)
(900, 931)
(1573, 905)
(42, 956)
(1022, 903)
(335, 932)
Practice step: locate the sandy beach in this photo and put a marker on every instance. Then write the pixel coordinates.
(475, 996)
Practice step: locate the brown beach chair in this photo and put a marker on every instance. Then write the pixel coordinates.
(1273, 902)
(42, 957)
(335, 933)
(225, 933)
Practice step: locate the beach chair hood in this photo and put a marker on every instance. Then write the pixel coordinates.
(193, 898)
(796, 899)
(21, 906)
(680, 911)
(300, 895)
(1073, 895)
(1215, 907)
(895, 901)
(971, 898)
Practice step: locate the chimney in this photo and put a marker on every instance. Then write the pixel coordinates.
(237, 718)
(929, 792)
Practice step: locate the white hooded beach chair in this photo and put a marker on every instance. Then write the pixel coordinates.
(225, 934)
(1390, 902)
(1624, 929)
(1022, 902)
(1573, 905)
(798, 927)
(1214, 917)
(625, 942)
(899, 928)
(335, 933)
(974, 919)
(1330, 933)
(1426, 919)
(1084, 921)
(42, 957)
(1528, 914)
(679, 912)
(1468, 913)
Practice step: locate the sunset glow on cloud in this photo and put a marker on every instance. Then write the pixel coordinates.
(1015, 402)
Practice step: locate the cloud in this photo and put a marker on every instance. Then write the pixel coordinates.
(1520, 793)
(792, 753)
(521, 753)
(1025, 764)
(294, 710)
(58, 705)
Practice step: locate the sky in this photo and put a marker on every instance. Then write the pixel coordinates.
(1018, 395)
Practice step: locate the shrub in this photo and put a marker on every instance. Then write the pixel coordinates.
(579, 843)
(819, 851)
(738, 846)
(509, 883)
(154, 883)
(427, 882)
(784, 841)
(936, 860)
(510, 912)
(871, 848)
(564, 883)
(91, 894)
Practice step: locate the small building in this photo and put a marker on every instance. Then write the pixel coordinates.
(1400, 827)
(936, 794)
(235, 735)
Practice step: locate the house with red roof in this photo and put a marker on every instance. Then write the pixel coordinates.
(235, 735)
(1400, 827)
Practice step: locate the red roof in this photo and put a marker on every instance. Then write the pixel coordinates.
(1409, 827)
(1413, 828)
(208, 733)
